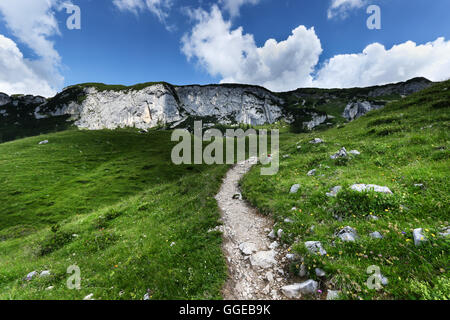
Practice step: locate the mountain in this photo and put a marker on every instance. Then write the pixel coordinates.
(159, 104)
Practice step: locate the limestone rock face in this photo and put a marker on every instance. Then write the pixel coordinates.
(354, 110)
(162, 104)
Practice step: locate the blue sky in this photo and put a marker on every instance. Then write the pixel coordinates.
(185, 42)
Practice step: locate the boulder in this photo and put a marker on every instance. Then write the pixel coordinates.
(340, 154)
(370, 187)
(263, 259)
(294, 188)
(418, 236)
(315, 247)
(376, 235)
(334, 191)
(347, 234)
(316, 141)
(248, 248)
(295, 290)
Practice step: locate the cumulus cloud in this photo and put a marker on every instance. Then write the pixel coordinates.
(235, 57)
(33, 23)
(233, 6)
(376, 65)
(18, 75)
(341, 8)
(160, 8)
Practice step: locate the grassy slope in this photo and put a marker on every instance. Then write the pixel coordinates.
(119, 192)
(404, 144)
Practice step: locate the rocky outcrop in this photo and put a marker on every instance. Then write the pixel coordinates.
(162, 104)
(354, 110)
(401, 88)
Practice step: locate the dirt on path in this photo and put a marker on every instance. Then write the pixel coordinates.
(255, 270)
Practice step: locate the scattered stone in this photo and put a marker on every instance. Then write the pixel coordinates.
(89, 297)
(333, 295)
(334, 191)
(273, 245)
(49, 288)
(419, 185)
(376, 235)
(303, 270)
(316, 141)
(146, 297)
(263, 259)
(369, 187)
(248, 248)
(295, 188)
(419, 238)
(372, 217)
(287, 220)
(43, 142)
(354, 152)
(294, 208)
(172, 244)
(445, 232)
(320, 273)
(31, 275)
(45, 273)
(269, 276)
(272, 235)
(340, 154)
(290, 256)
(312, 229)
(312, 172)
(347, 234)
(286, 156)
(315, 247)
(295, 290)
(280, 233)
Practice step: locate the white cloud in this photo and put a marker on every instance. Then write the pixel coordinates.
(33, 23)
(376, 65)
(17, 74)
(160, 8)
(233, 6)
(235, 57)
(341, 8)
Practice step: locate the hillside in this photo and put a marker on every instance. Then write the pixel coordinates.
(113, 203)
(404, 146)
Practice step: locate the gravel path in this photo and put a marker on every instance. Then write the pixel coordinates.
(254, 267)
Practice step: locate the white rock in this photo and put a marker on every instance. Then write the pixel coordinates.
(340, 154)
(295, 188)
(295, 290)
(89, 297)
(44, 273)
(303, 270)
(49, 288)
(280, 233)
(316, 141)
(334, 191)
(347, 234)
(273, 245)
(269, 276)
(315, 247)
(31, 275)
(287, 220)
(333, 295)
(419, 238)
(290, 256)
(370, 187)
(320, 272)
(263, 259)
(43, 142)
(376, 235)
(445, 232)
(146, 297)
(354, 152)
(312, 172)
(248, 248)
(272, 235)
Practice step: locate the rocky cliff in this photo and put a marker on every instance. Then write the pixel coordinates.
(98, 106)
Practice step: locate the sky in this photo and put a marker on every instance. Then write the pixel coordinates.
(279, 44)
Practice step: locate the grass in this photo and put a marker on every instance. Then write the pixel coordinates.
(111, 203)
(404, 144)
